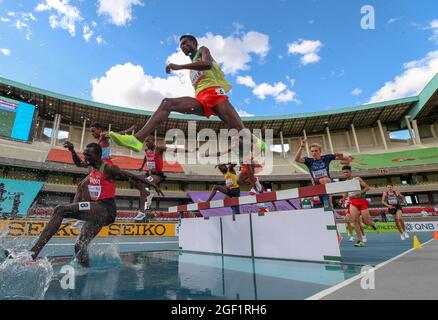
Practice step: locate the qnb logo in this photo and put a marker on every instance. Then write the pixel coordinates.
(368, 281)
(68, 280)
(368, 21)
(94, 181)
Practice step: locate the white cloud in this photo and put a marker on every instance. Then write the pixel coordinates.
(2, 19)
(66, 16)
(392, 20)
(414, 78)
(279, 90)
(128, 85)
(87, 32)
(247, 100)
(356, 92)
(100, 40)
(246, 81)
(243, 113)
(119, 11)
(234, 52)
(6, 52)
(434, 26)
(307, 48)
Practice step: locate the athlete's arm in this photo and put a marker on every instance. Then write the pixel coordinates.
(298, 157)
(402, 197)
(206, 63)
(116, 172)
(343, 158)
(78, 161)
(364, 185)
(144, 162)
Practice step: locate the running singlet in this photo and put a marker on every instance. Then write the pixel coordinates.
(319, 168)
(213, 77)
(154, 161)
(362, 195)
(393, 199)
(106, 152)
(231, 180)
(99, 187)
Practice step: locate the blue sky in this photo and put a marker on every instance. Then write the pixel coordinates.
(282, 57)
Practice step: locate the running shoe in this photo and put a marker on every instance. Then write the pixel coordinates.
(359, 244)
(258, 185)
(127, 141)
(364, 239)
(406, 235)
(78, 225)
(140, 216)
(352, 239)
(402, 236)
(253, 192)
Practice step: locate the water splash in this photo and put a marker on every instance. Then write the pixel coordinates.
(105, 256)
(24, 279)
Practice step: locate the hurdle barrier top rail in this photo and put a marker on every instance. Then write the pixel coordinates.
(297, 193)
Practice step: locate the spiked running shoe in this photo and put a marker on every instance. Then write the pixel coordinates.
(128, 141)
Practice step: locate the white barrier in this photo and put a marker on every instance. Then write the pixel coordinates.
(308, 235)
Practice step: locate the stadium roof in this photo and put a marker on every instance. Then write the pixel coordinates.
(424, 107)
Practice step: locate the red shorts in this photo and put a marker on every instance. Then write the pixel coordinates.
(109, 161)
(360, 203)
(256, 166)
(210, 98)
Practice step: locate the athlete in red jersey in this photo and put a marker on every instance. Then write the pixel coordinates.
(100, 211)
(154, 159)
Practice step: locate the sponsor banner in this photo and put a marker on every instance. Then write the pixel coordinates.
(28, 228)
(423, 226)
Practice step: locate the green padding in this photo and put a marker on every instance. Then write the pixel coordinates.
(331, 228)
(332, 258)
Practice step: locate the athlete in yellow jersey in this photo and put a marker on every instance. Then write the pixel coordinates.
(211, 99)
(231, 188)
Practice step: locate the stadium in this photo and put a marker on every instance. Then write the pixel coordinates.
(37, 174)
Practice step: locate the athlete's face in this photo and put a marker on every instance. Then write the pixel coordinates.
(346, 173)
(316, 152)
(188, 46)
(95, 132)
(91, 156)
(150, 142)
(390, 188)
(223, 169)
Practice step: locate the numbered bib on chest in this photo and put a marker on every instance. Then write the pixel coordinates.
(229, 182)
(392, 200)
(195, 76)
(151, 165)
(95, 192)
(320, 173)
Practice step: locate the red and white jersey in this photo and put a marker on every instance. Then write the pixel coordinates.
(99, 187)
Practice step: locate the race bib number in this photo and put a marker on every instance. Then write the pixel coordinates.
(151, 165)
(84, 206)
(351, 193)
(195, 76)
(220, 92)
(392, 200)
(320, 173)
(150, 179)
(229, 182)
(94, 192)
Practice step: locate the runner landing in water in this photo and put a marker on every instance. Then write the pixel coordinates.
(211, 96)
(100, 211)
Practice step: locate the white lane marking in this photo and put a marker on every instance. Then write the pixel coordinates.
(341, 285)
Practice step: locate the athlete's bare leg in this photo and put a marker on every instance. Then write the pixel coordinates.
(82, 193)
(185, 105)
(215, 189)
(88, 232)
(97, 214)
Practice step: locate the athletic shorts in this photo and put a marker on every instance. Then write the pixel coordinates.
(393, 211)
(360, 203)
(110, 206)
(234, 193)
(158, 174)
(210, 98)
(257, 168)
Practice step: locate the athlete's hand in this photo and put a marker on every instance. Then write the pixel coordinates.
(68, 145)
(171, 67)
(303, 143)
